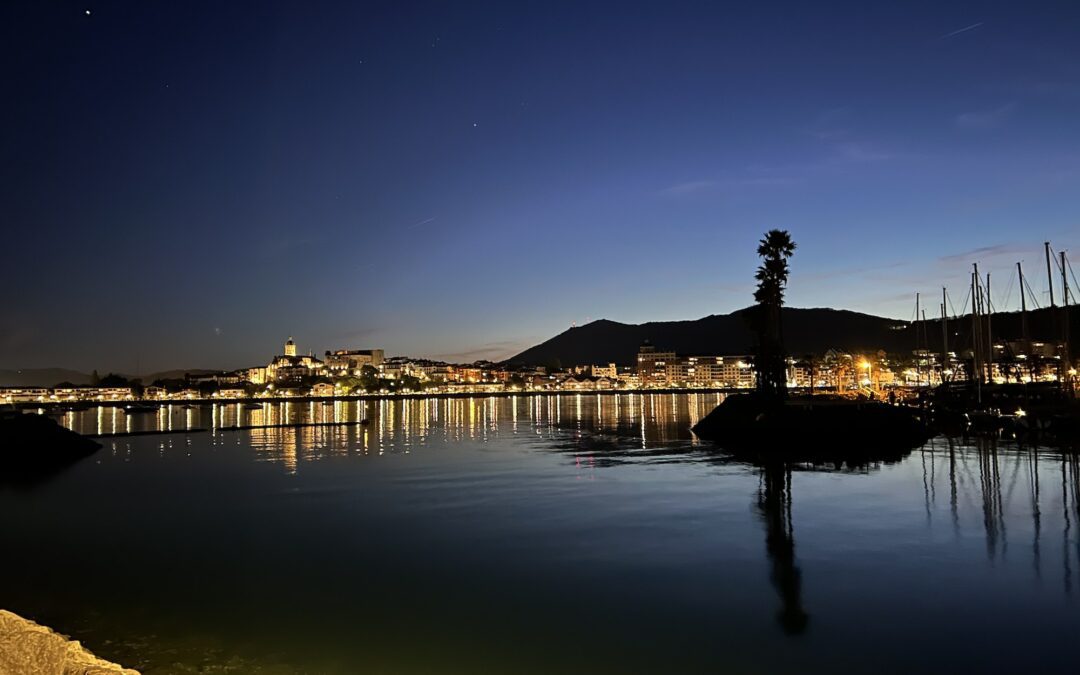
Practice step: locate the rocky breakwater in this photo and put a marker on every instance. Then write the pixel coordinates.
(35, 447)
(29, 648)
(812, 428)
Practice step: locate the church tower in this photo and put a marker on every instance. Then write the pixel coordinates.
(290, 347)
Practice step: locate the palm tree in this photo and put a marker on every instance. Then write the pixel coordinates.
(775, 249)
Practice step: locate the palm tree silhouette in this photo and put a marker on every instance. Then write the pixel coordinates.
(774, 248)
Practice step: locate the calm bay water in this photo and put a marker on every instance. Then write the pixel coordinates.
(557, 534)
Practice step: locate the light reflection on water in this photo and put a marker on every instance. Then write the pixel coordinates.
(570, 533)
(660, 416)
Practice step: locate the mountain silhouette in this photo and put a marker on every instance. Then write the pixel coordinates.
(806, 331)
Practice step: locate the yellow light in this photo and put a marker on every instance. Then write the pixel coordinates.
(865, 365)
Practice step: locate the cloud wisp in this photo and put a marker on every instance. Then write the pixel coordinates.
(986, 120)
(491, 351)
(959, 31)
(721, 184)
(984, 252)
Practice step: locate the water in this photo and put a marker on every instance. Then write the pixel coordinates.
(560, 534)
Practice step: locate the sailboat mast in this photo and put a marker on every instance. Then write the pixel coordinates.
(1064, 282)
(1066, 361)
(944, 335)
(926, 350)
(1049, 275)
(1023, 305)
(918, 361)
(989, 334)
(976, 369)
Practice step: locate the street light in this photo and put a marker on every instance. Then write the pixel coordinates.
(865, 365)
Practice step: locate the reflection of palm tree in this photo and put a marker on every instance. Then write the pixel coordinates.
(774, 501)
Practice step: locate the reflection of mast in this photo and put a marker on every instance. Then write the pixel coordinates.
(1068, 525)
(929, 494)
(774, 500)
(925, 482)
(1036, 515)
(952, 488)
(990, 479)
(1070, 483)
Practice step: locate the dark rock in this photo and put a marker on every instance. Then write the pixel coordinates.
(813, 429)
(35, 447)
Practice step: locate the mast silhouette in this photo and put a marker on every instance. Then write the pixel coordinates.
(1049, 275)
(944, 335)
(989, 334)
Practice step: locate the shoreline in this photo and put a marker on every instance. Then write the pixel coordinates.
(49, 405)
(30, 647)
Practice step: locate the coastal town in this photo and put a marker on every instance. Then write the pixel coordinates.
(343, 373)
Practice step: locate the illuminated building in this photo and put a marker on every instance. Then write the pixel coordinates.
(609, 371)
(652, 366)
(667, 369)
(290, 367)
(352, 361)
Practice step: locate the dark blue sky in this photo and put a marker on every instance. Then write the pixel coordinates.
(185, 184)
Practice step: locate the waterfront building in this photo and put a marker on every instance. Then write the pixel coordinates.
(352, 361)
(667, 369)
(64, 394)
(231, 393)
(652, 365)
(609, 371)
(289, 367)
(257, 375)
(224, 377)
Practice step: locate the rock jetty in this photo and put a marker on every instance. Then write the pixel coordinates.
(29, 648)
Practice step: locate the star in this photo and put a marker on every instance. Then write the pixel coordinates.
(87, 12)
(474, 124)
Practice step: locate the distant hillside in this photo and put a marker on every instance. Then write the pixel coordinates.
(177, 374)
(805, 331)
(41, 377)
(48, 377)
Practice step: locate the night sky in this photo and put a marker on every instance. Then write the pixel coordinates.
(186, 184)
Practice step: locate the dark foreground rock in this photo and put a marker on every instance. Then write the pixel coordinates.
(812, 429)
(34, 447)
(28, 648)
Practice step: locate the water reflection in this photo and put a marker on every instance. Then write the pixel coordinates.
(562, 513)
(774, 503)
(993, 481)
(992, 484)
